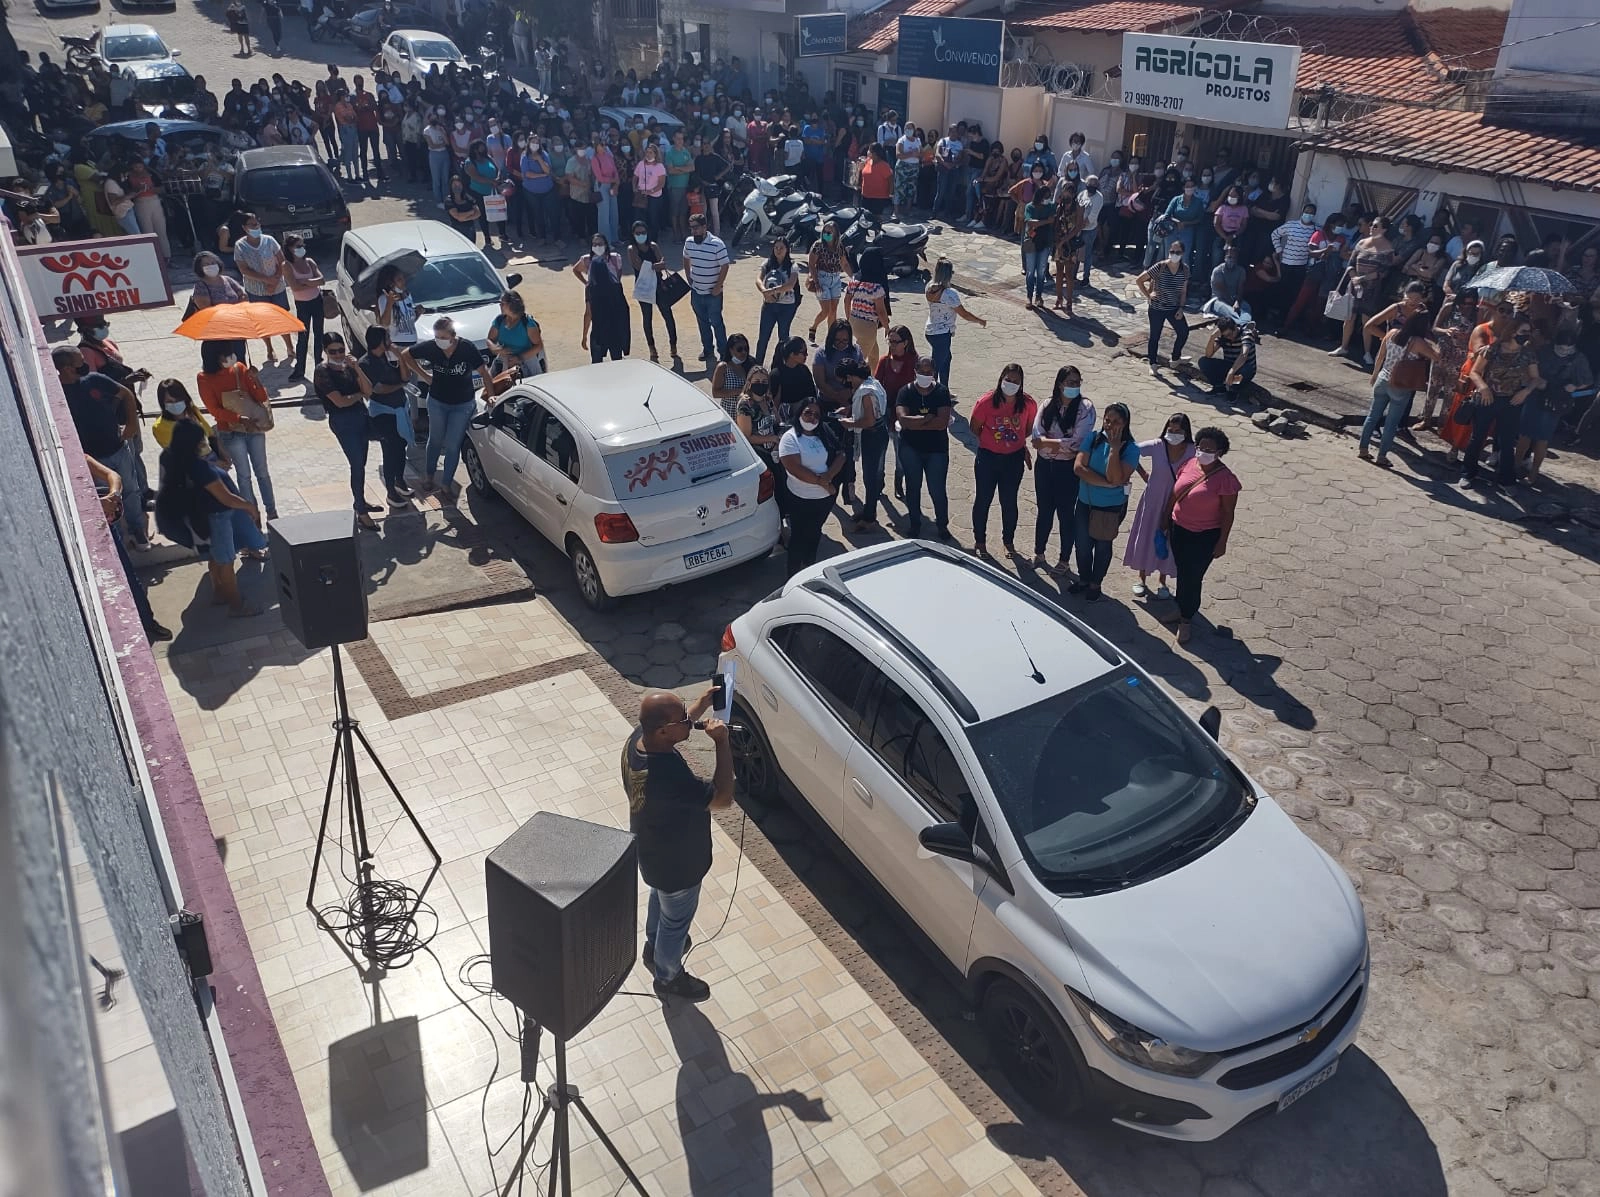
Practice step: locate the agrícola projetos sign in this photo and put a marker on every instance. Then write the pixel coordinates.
(1238, 83)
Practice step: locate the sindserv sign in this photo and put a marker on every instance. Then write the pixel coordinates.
(1236, 83)
(108, 274)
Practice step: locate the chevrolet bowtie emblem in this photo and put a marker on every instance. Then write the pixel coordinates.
(1310, 1033)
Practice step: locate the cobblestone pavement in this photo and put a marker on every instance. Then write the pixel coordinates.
(1408, 668)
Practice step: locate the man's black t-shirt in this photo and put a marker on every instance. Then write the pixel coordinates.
(452, 373)
(669, 813)
(924, 440)
(977, 153)
(96, 413)
(381, 372)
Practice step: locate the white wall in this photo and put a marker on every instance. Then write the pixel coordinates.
(1100, 124)
(967, 102)
(925, 103)
(1573, 52)
(1022, 117)
(1329, 175)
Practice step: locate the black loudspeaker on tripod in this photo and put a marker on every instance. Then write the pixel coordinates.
(322, 595)
(563, 898)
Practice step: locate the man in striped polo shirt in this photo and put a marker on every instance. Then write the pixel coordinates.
(706, 260)
(1291, 244)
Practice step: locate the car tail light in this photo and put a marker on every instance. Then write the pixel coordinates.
(615, 529)
(769, 486)
(728, 642)
(344, 220)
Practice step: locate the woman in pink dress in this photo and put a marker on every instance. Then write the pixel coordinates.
(1168, 454)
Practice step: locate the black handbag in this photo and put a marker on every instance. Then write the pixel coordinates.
(670, 288)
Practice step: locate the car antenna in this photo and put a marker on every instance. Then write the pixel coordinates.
(1035, 675)
(647, 406)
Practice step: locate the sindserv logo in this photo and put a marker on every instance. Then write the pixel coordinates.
(101, 278)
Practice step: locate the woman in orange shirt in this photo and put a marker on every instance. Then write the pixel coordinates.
(877, 181)
(244, 440)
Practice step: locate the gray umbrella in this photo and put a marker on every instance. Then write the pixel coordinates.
(1535, 280)
(364, 291)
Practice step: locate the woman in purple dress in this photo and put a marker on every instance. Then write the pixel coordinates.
(1167, 454)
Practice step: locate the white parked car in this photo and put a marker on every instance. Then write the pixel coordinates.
(457, 279)
(1143, 930)
(121, 45)
(633, 472)
(413, 52)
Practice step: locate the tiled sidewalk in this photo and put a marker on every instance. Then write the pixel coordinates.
(789, 1080)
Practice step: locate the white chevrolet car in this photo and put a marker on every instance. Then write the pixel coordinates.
(635, 473)
(1143, 930)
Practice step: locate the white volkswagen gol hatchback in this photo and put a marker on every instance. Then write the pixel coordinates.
(1142, 928)
(635, 473)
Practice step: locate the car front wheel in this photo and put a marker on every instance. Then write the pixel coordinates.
(587, 575)
(1030, 1048)
(476, 474)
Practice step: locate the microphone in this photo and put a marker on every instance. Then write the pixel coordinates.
(700, 725)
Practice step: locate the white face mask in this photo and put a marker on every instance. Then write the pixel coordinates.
(230, 362)
(444, 342)
(299, 251)
(175, 409)
(1434, 247)
(1205, 457)
(210, 271)
(809, 425)
(1474, 258)
(924, 381)
(598, 251)
(1010, 388)
(1176, 438)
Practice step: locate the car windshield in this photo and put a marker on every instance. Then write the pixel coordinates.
(283, 185)
(442, 51)
(177, 86)
(457, 282)
(130, 47)
(1108, 784)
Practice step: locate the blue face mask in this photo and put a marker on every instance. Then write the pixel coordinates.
(1071, 392)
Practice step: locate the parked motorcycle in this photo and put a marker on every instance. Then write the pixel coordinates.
(80, 51)
(903, 246)
(756, 223)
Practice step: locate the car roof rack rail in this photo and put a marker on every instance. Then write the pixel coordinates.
(906, 549)
(832, 585)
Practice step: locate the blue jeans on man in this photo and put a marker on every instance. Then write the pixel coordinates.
(917, 465)
(708, 315)
(125, 465)
(1086, 254)
(666, 926)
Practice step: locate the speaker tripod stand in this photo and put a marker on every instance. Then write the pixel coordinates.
(380, 917)
(557, 1098)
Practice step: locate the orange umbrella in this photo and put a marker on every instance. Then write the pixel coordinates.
(239, 322)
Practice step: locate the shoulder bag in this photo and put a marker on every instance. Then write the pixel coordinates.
(1410, 374)
(257, 417)
(670, 288)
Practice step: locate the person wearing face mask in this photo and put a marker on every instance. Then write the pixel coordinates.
(867, 419)
(1461, 272)
(1040, 153)
(105, 415)
(178, 406)
(761, 420)
(907, 168)
(436, 139)
(1501, 375)
(1187, 211)
(1061, 427)
(343, 389)
(264, 269)
(650, 186)
(1428, 264)
(516, 341)
(1166, 287)
(1148, 551)
(1037, 211)
(1369, 265)
(212, 287)
(1229, 363)
(867, 302)
(706, 261)
(779, 285)
(305, 285)
(1003, 421)
(446, 363)
(923, 410)
(607, 322)
(727, 380)
(1198, 519)
(1290, 244)
(389, 411)
(1227, 289)
(224, 381)
(812, 460)
(648, 264)
(1104, 466)
(944, 305)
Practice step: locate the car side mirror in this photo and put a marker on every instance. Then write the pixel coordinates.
(176, 53)
(1211, 720)
(948, 839)
(513, 281)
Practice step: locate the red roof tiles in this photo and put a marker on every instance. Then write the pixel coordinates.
(1465, 142)
(1462, 39)
(1106, 16)
(878, 30)
(1363, 56)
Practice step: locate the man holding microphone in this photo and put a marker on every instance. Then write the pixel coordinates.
(669, 813)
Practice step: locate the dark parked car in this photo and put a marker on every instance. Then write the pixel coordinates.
(370, 26)
(291, 192)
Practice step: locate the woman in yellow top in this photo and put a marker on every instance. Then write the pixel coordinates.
(177, 407)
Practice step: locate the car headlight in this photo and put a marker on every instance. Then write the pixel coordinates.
(1141, 1048)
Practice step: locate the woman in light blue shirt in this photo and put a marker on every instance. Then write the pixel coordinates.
(1104, 467)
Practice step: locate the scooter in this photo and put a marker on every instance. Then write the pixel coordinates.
(329, 26)
(755, 223)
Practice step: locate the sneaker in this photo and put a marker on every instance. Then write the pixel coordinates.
(1154, 373)
(649, 953)
(139, 545)
(1184, 631)
(1163, 593)
(370, 507)
(1077, 587)
(154, 631)
(1094, 594)
(944, 532)
(1140, 590)
(685, 986)
(1178, 359)
(1039, 561)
